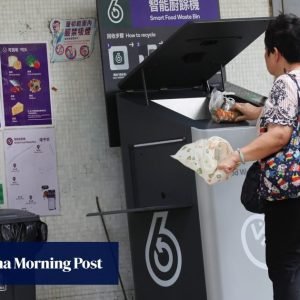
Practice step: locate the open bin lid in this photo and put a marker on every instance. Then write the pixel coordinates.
(194, 53)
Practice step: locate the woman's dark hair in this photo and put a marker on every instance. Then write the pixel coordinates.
(284, 33)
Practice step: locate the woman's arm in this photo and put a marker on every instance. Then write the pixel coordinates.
(266, 144)
(248, 111)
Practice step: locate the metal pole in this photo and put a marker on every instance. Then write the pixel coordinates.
(108, 239)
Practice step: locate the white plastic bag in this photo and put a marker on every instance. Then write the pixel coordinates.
(203, 156)
(220, 107)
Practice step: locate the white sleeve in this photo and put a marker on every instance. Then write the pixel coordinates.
(282, 105)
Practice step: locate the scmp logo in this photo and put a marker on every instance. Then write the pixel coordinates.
(253, 240)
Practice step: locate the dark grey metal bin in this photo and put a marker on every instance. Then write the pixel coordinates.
(17, 292)
(20, 226)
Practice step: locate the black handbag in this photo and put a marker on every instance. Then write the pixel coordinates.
(250, 196)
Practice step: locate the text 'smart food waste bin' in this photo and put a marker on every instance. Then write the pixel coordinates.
(188, 240)
(20, 226)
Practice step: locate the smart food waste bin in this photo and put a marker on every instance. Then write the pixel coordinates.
(188, 240)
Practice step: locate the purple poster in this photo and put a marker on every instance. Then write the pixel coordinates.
(25, 84)
(149, 13)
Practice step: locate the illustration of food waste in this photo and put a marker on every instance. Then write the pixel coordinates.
(34, 85)
(31, 61)
(17, 108)
(15, 86)
(13, 62)
(25, 84)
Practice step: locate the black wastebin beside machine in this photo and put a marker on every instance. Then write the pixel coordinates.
(20, 226)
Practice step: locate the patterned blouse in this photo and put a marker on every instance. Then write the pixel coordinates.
(281, 107)
(281, 178)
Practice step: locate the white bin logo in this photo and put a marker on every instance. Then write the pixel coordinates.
(253, 240)
(162, 253)
(115, 12)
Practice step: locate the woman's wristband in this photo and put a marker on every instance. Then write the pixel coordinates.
(241, 155)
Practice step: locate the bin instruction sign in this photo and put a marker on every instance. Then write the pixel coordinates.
(172, 12)
(31, 170)
(130, 30)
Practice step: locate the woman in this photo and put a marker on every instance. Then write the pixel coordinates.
(275, 121)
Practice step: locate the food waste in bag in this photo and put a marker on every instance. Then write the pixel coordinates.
(220, 107)
(203, 156)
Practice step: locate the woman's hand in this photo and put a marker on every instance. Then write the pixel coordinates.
(247, 110)
(230, 163)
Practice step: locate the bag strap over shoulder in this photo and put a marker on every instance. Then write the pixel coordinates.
(298, 89)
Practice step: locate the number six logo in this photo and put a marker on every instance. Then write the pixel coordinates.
(162, 253)
(115, 12)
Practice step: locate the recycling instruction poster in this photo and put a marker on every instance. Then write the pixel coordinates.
(31, 170)
(25, 84)
(130, 30)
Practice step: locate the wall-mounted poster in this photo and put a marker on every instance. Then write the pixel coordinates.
(25, 84)
(31, 170)
(73, 39)
(130, 30)
(2, 173)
